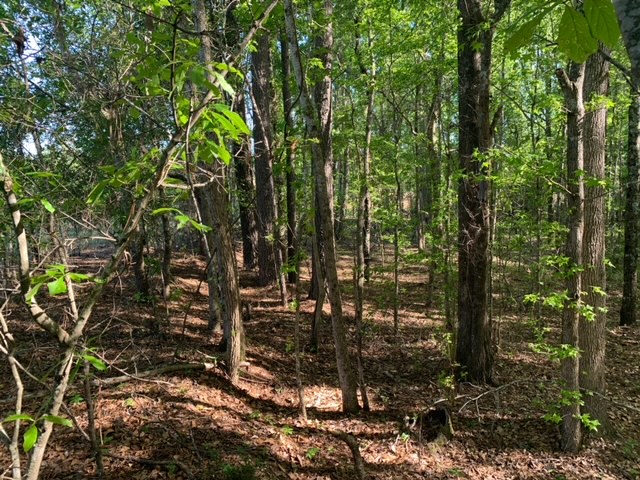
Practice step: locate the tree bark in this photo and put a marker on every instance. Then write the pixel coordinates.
(319, 133)
(474, 351)
(246, 195)
(593, 332)
(287, 103)
(629, 19)
(572, 86)
(221, 225)
(628, 310)
(263, 146)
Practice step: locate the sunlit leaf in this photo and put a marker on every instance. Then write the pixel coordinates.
(57, 287)
(18, 416)
(603, 21)
(30, 438)
(574, 37)
(58, 420)
(97, 363)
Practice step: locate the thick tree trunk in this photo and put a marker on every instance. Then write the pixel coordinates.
(319, 133)
(263, 145)
(474, 351)
(628, 313)
(593, 333)
(572, 86)
(629, 19)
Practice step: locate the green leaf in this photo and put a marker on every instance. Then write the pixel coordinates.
(235, 119)
(78, 277)
(33, 291)
(97, 363)
(574, 37)
(57, 287)
(523, 35)
(58, 420)
(47, 205)
(224, 84)
(30, 438)
(97, 192)
(163, 210)
(18, 416)
(603, 21)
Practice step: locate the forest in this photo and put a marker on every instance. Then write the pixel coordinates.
(317, 239)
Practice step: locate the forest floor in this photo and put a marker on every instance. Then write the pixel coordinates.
(193, 423)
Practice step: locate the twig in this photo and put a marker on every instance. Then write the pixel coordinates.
(493, 390)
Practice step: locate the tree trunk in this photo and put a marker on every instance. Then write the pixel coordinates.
(629, 19)
(263, 146)
(221, 225)
(139, 267)
(631, 213)
(319, 133)
(291, 167)
(572, 86)
(246, 195)
(474, 351)
(593, 333)
(341, 194)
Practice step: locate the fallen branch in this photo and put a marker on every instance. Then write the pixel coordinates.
(353, 445)
(148, 461)
(142, 376)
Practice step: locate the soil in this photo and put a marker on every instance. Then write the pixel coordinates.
(192, 423)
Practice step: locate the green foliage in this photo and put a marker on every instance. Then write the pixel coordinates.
(287, 430)
(182, 219)
(574, 38)
(32, 433)
(312, 453)
(239, 472)
(54, 278)
(95, 362)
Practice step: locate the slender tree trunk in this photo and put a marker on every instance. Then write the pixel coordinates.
(167, 251)
(319, 133)
(629, 19)
(221, 224)
(246, 195)
(263, 145)
(593, 332)
(474, 351)
(139, 267)
(341, 194)
(628, 313)
(572, 86)
(291, 156)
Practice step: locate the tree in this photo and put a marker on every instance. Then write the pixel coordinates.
(593, 333)
(474, 350)
(318, 127)
(629, 18)
(261, 89)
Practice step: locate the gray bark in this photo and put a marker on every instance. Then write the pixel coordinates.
(572, 86)
(593, 333)
(318, 127)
